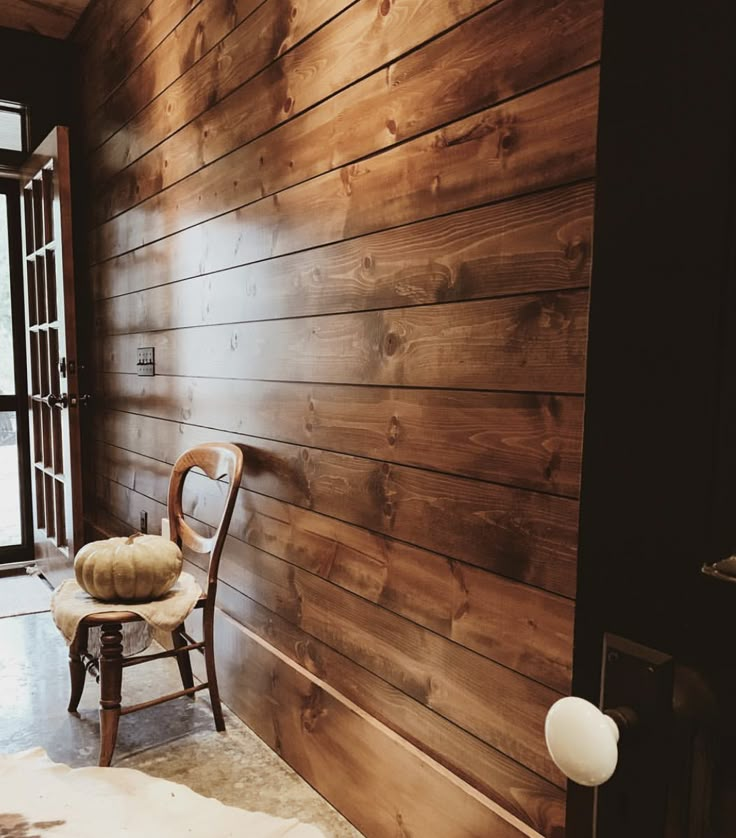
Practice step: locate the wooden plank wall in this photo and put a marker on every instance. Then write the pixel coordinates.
(358, 235)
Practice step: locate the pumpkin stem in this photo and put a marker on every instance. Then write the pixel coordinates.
(132, 538)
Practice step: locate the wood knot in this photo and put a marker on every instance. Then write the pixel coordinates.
(294, 12)
(576, 249)
(288, 104)
(552, 466)
(393, 430)
(391, 343)
(391, 126)
(385, 7)
(507, 139)
(312, 710)
(347, 185)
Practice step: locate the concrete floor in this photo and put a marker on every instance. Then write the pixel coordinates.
(176, 741)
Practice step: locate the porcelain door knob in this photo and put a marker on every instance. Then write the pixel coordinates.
(582, 741)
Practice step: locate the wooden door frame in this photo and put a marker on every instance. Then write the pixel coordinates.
(659, 454)
(18, 402)
(55, 555)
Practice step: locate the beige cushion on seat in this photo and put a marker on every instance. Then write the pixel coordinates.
(70, 604)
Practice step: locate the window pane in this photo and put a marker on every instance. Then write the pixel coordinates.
(11, 130)
(9, 485)
(7, 380)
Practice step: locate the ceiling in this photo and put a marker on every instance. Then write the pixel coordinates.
(55, 18)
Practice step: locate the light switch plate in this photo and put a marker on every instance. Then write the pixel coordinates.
(146, 361)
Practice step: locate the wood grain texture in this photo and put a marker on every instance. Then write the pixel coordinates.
(535, 243)
(247, 49)
(523, 535)
(479, 610)
(534, 342)
(359, 239)
(530, 798)
(157, 66)
(386, 108)
(53, 18)
(307, 723)
(369, 30)
(526, 440)
(526, 795)
(443, 676)
(151, 27)
(102, 24)
(542, 139)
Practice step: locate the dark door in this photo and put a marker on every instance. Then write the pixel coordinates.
(659, 467)
(53, 365)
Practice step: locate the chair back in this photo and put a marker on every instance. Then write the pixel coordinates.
(216, 459)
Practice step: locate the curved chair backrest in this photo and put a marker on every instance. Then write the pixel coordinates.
(216, 459)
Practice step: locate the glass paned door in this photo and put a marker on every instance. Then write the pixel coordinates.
(15, 530)
(54, 400)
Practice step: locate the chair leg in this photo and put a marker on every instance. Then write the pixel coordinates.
(183, 659)
(111, 681)
(209, 662)
(76, 667)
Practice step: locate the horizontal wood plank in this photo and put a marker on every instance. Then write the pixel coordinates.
(543, 139)
(479, 610)
(239, 54)
(152, 27)
(536, 243)
(441, 675)
(197, 37)
(526, 795)
(460, 79)
(358, 235)
(525, 440)
(522, 535)
(530, 343)
(370, 32)
(308, 723)
(446, 677)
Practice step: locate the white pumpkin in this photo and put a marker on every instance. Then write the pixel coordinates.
(132, 569)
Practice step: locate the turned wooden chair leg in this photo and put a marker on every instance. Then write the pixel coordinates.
(209, 662)
(183, 659)
(76, 667)
(111, 681)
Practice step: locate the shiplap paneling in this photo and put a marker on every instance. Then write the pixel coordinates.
(359, 238)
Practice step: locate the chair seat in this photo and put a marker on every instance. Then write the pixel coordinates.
(73, 607)
(101, 617)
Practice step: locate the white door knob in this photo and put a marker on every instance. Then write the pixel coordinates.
(582, 741)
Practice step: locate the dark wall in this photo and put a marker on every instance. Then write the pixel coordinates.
(37, 71)
(657, 496)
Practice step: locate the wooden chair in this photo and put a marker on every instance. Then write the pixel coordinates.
(216, 460)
